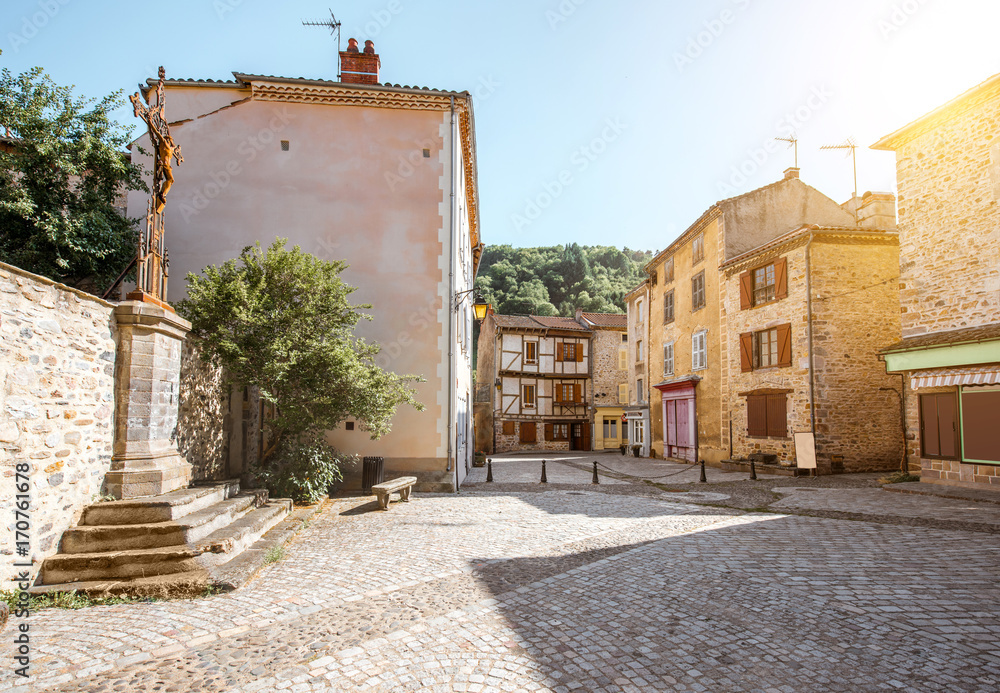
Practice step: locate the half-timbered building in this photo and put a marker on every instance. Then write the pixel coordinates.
(541, 374)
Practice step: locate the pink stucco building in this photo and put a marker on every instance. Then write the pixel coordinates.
(379, 175)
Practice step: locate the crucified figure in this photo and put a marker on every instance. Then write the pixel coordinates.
(164, 147)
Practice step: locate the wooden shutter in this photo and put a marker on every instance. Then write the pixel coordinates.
(548, 431)
(781, 278)
(559, 351)
(622, 359)
(930, 443)
(508, 428)
(746, 352)
(756, 415)
(979, 425)
(528, 434)
(623, 393)
(577, 394)
(579, 352)
(746, 291)
(784, 345)
(947, 419)
(557, 394)
(777, 426)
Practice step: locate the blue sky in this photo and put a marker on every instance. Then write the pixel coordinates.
(598, 122)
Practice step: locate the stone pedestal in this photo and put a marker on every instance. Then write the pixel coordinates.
(147, 377)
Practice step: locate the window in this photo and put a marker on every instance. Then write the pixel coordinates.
(284, 145)
(622, 359)
(698, 249)
(528, 396)
(764, 284)
(531, 352)
(557, 431)
(699, 351)
(623, 394)
(668, 306)
(640, 392)
(624, 337)
(508, 428)
(653, 276)
(567, 393)
(939, 426)
(668, 271)
(639, 315)
(610, 428)
(349, 425)
(766, 348)
(569, 351)
(638, 351)
(698, 291)
(668, 359)
(528, 432)
(638, 432)
(766, 417)
(980, 437)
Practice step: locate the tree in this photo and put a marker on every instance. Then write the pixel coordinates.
(62, 167)
(279, 320)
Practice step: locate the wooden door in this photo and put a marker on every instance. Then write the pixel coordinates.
(684, 423)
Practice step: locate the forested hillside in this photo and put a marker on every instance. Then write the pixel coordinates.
(559, 279)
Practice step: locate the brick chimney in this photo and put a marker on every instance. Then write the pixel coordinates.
(791, 172)
(357, 67)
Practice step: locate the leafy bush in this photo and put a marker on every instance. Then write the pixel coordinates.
(302, 470)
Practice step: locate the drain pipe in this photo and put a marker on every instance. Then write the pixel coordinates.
(452, 308)
(812, 367)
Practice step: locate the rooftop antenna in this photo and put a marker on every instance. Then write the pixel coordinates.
(793, 141)
(334, 26)
(850, 144)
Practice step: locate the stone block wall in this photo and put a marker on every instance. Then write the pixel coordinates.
(856, 314)
(512, 443)
(606, 346)
(57, 355)
(204, 422)
(949, 210)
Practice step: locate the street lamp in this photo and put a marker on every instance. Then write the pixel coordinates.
(479, 307)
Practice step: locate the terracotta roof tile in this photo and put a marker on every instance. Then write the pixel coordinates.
(559, 323)
(980, 333)
(615, 320)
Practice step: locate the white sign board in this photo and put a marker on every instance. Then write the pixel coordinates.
(805, 450)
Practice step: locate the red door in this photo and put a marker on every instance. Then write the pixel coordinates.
(684, 423)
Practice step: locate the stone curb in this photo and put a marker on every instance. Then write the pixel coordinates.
(237, 572)
(941, 491)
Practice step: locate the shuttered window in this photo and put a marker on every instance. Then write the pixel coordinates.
(699, 351)
(698, 291)
(623, 359)
(698, 249)
(767, 416)
(529, 434)
(939, 426)
(638, 351)
(623, 394)
(764, 284)
(981, 425)
(528, 396)
(668, 306)
(668, 271)
(531, 352)
(668, 359)
(766, 348)
(508, 428)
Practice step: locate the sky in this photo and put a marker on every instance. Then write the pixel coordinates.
(597, 122)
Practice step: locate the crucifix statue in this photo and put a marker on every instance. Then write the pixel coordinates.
(153, 260)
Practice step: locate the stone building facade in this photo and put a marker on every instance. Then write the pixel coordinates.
(540, 368)
(806, 316)
(635, 395)
(948, 174)
(609, 344)
(692, 344)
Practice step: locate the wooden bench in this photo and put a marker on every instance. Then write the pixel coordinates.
(384, 490)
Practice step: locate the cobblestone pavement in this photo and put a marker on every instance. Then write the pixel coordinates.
(899, 504)
(561, 590)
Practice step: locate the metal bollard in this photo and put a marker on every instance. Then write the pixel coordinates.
(753, 471)
(596, 480)
(489, 471)
(544, 478)
(703, 480)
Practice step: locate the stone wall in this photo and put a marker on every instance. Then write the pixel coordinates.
(57, 354)
(949, 230)
(512, 443)
(606, 346)
(204, 422)
(856, 314)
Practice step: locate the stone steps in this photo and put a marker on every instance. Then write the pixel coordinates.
(189, 529)
(161, 545)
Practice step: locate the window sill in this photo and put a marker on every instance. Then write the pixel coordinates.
(750, 437)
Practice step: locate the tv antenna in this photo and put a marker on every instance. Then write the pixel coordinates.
(793, 141)
(334, 26)
(851, 145)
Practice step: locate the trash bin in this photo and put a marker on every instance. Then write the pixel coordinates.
(372, 470)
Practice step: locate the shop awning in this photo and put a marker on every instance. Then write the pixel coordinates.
(989, 375)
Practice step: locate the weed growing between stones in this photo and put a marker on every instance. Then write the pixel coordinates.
(274, 554)
(71, 600)
(898, 478)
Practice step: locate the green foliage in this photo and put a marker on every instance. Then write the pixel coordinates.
(61, 170)
(559, 279)
(899, 477)
(280, 321)
(302, 471)
(68, 600)
(274, 554)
